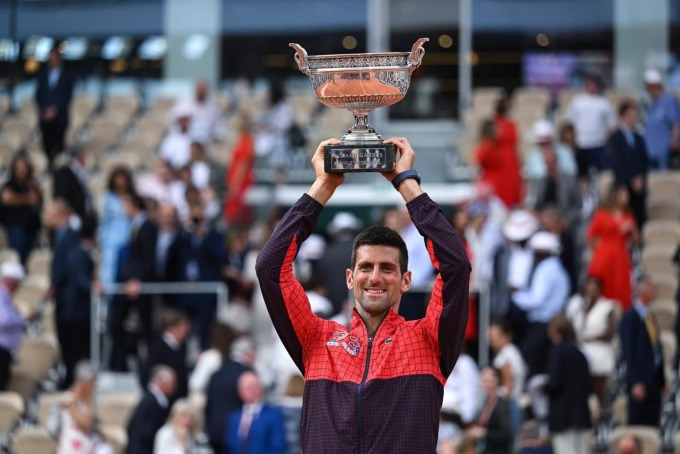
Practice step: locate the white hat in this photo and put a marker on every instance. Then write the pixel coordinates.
(653, 77)
(181, 110)
(546, 242)
(520, 225)
(12, 270)
(541, 130)
(320, 305)
(344, 221)
(313, 247)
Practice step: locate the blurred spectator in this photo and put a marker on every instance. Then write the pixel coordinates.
(629, 155)
(662, 128)
(460, 220)
(210, 360)
(513, 264)
(610, 230)
(53, 96)
(271, 140)
(152, 411)
(205, 173)
(257, 428)
(414, 301)
(568, 388)
(170, 243)
(222, 395)
(78, 430)
(508, 360)
(73, 293)
(629, 444)
(177, 435)
(466, 445)
(550, 173)
(204, 259)
(593, 119)
(461, 396)
(484, 238)
(493, 426)
(506, 138)
(544, 298)
(170, 350)
(498, 162)
(594, 320)
(12, 323)
(176, 146)
(240, 176)
(551, 220)
(114, 231)
(342, 229)
(138, 268)
(20, 206)
(642, 351)
(206, 121)
(71, 184)
(164, 186)
(291, 406)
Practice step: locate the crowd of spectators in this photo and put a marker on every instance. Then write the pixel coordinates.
(557, 261)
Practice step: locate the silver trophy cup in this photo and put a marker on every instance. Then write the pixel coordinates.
(360, 83)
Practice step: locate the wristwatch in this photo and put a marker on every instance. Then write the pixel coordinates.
(406, 174)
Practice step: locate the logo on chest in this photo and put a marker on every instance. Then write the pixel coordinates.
(342, 339)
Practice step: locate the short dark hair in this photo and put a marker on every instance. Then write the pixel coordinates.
(174, 317)
(379, 235)
(503, 325)
(562, 326)
(125, 172)
(626, 105)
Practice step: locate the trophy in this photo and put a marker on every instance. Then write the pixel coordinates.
(360, 83)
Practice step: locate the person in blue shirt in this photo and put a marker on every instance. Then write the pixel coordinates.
(11, 322)
(662, 128)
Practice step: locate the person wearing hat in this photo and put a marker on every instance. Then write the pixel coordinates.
(551, 174)
(662, 128)
(176, 146)
(593, 118)
(543, 299)
(12, 323)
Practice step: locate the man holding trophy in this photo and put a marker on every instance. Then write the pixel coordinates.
(376, 387)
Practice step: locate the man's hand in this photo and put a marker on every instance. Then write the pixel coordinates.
(324, 184)
(637, 183)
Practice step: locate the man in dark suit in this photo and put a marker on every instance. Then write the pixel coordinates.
(568, 388)
(152, 411)
(630, 162)
(139, 268)
(54, 93)
(170, 244)
(170, 349)
(642, 352)
(222, 393)
(70, 184)
(204, 260)
(257, 428)
(64, 244)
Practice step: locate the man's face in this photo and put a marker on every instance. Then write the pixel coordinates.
(249, 388)
(377, 280)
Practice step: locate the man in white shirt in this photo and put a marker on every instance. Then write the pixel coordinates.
(508, 360)
(593, 119)
(176, 146)
(206, 122)
(543, 299)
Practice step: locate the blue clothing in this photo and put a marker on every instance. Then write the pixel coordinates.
(547, 292)
(114, 233)
(267, 434)
(11, 322)
(663, 114)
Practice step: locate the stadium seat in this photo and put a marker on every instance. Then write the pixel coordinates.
(657, 260)
(116, 436)
(9, 255)
(34, 440)
(651, 440)
(23, 383)
(666, 285)
(620, 409)
(46, 402)
(662, 232)
(39, 261)
(37, 356)
(116, 409)
(665, 311)
(11, 408)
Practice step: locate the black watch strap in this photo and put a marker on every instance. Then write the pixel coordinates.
(406, 174)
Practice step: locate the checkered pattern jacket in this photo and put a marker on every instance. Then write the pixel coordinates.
(379, 395)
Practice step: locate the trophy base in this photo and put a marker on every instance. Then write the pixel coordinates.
(365, 157)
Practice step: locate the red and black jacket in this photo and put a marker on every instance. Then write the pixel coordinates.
(369, 395)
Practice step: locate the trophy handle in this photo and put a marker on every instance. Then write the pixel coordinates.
(415, 58)
(301, 57)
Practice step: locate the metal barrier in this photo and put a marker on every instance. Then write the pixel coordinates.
(99, 312)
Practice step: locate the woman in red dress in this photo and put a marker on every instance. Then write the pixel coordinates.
(496, 156)
(239, 177)
(609, 233)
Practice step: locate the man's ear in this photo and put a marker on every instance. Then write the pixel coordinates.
(406, 282)
(349, 277)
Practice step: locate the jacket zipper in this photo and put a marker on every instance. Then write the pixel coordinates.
(362, 449)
